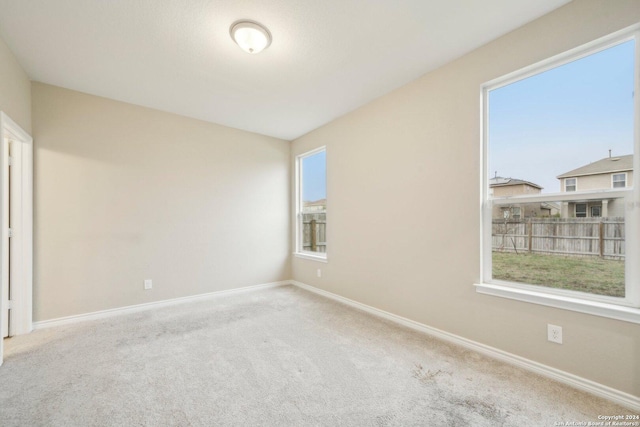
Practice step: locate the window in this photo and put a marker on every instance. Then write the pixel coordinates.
(570, 184)
(512, 212)
(619, 180)
(516, 213)
(311, 204)
(547, 124)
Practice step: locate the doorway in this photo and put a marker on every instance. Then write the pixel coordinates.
(16, 229)
(6, 224)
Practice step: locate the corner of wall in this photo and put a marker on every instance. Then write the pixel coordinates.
(15, 88)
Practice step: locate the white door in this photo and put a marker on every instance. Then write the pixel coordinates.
(16, 252)
(4, 207)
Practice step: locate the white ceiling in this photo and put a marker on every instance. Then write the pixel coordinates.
(327, 58)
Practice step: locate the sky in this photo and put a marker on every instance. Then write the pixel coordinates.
(564, 118)
(314, 177)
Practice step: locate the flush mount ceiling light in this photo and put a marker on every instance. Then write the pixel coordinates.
(250, 36)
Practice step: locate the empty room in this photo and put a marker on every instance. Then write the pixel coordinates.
(347, 212)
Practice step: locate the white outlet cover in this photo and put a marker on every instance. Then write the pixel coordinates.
(554, 333)
(148, 284)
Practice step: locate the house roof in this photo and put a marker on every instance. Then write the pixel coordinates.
(499, 181)
(606, 165)
(320, 202)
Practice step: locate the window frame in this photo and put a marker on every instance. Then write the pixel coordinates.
(625, 309)
(298, 234)
(575, 185)
(516, 216)
(586, 210)
(613, 181)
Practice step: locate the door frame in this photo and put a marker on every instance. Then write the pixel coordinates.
(21, 241)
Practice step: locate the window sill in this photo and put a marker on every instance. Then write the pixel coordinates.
(612, 311)
(318, 258)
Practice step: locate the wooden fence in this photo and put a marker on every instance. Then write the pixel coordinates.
(602, 237)
(314, 232)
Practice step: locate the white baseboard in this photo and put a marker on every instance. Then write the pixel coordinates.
(148, 306)
(621, 398)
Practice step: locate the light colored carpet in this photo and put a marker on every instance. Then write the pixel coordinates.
(274, 357)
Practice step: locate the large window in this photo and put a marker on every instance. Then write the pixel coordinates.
(311, 204)
(619, 180)
(570, 184)
(576, 114)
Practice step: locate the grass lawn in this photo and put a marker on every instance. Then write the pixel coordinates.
(592, 275)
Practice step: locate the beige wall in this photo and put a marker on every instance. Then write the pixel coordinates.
(15, 89)
(527, 210)
(423, 260)
(124, 193)
(610, 208)
(600, 181)
(514, 190)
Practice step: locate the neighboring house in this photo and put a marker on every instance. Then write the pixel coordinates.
(604, 174)
(505, 187)
(315, 206)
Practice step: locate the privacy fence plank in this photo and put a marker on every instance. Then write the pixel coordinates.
(600, 237)
(314, 232)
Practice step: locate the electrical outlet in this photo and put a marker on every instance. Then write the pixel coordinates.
(319, 273)
(554, 333)
(148, 284)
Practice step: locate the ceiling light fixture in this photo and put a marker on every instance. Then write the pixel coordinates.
(250, 36)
